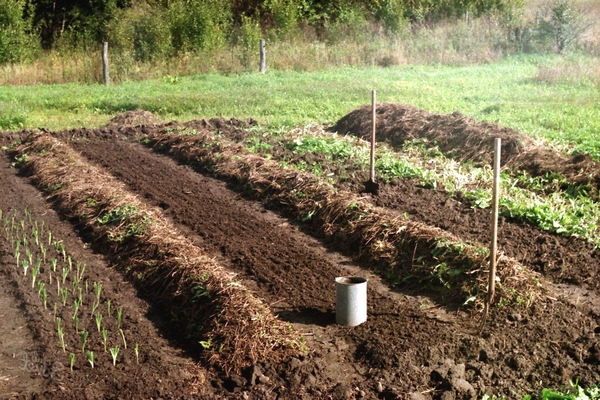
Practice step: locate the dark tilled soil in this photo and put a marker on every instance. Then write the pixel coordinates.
(394, 352)
(164, 370)
(409, 347)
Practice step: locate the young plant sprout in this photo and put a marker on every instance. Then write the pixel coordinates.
(97, 290)
(104, 338)
(43, 250)
(123, 337)
(83, 338)
(80, 271)
(70, 263)
(34, 272)
(55, 306)
(44, 296)
(136, 350)
(108, 307)
(98, 321)
(114, 351)
(54, 262)
(76, 305)
(71, 360)
(94, 307)
(76, 321)
(119, 315)
(25, 265)
(63, 296)
(29, 255)
(90, 358)
(61, 336)
(86, 286)
(40, 286)
(65, 272)
(49, 238)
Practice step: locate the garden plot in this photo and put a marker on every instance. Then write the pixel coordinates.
(533, 339)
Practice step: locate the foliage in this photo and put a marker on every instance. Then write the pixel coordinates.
(16, 42)
(560, 24)
(199, 25)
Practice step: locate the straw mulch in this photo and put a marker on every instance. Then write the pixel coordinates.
(205, 300)
(467, 139)
(397, 247)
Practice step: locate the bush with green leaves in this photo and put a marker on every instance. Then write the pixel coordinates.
(16, 42)
(199, 25)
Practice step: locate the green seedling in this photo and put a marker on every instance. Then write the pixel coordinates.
(34, 272)
(108, 307)
(29, 255)
(49, 238)
(98, 321)
(83, 339)
(17, 256)
(63, 296)
(55, 307)
(71, 360)
(76, 305)
(80, 271)
(36, 238)
(136, 350)
(25, 266)
(40, 286)
(65, 272)
(119, 316)
(54, 262)
(94, 307)
(97, 290)
(104, 338)
(86, 286)
(76, 321)
(123, 337)
(61, 336)
(43, 250)
(114, 351)
(90, 358)
(70, 262)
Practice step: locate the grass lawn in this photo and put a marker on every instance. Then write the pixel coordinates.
(505, 92)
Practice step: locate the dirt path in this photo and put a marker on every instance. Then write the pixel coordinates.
(408, 345)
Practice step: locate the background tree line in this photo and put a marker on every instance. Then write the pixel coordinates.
(152, 29)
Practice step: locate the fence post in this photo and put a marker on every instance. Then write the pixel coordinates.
(263, 57)
(105, 63)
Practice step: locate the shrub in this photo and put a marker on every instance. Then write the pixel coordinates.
(199, 25)
(16, 44)
(560, 24)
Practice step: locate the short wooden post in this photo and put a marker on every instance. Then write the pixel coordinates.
(374, 121)
(105, 63)
(495, 201)
(263, 56)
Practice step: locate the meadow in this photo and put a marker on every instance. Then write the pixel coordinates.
(536, 95)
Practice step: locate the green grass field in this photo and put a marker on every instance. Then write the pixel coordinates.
(505, 92)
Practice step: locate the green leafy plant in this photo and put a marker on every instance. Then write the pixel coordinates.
(123, 337)
(104, 338)
(90, 357)
(83, 339)
(98, 319)
(114, 351)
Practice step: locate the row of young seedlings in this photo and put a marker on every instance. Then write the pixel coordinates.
(29, 241)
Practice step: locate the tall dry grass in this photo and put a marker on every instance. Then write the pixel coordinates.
(448, 42)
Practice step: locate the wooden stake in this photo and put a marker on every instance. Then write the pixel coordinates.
(374, 118)
(495, 200)
(105, 63)
(263, 56)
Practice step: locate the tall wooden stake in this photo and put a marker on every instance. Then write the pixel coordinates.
(374, 120)
(263, 56)
(105, 63)
(495, 200)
